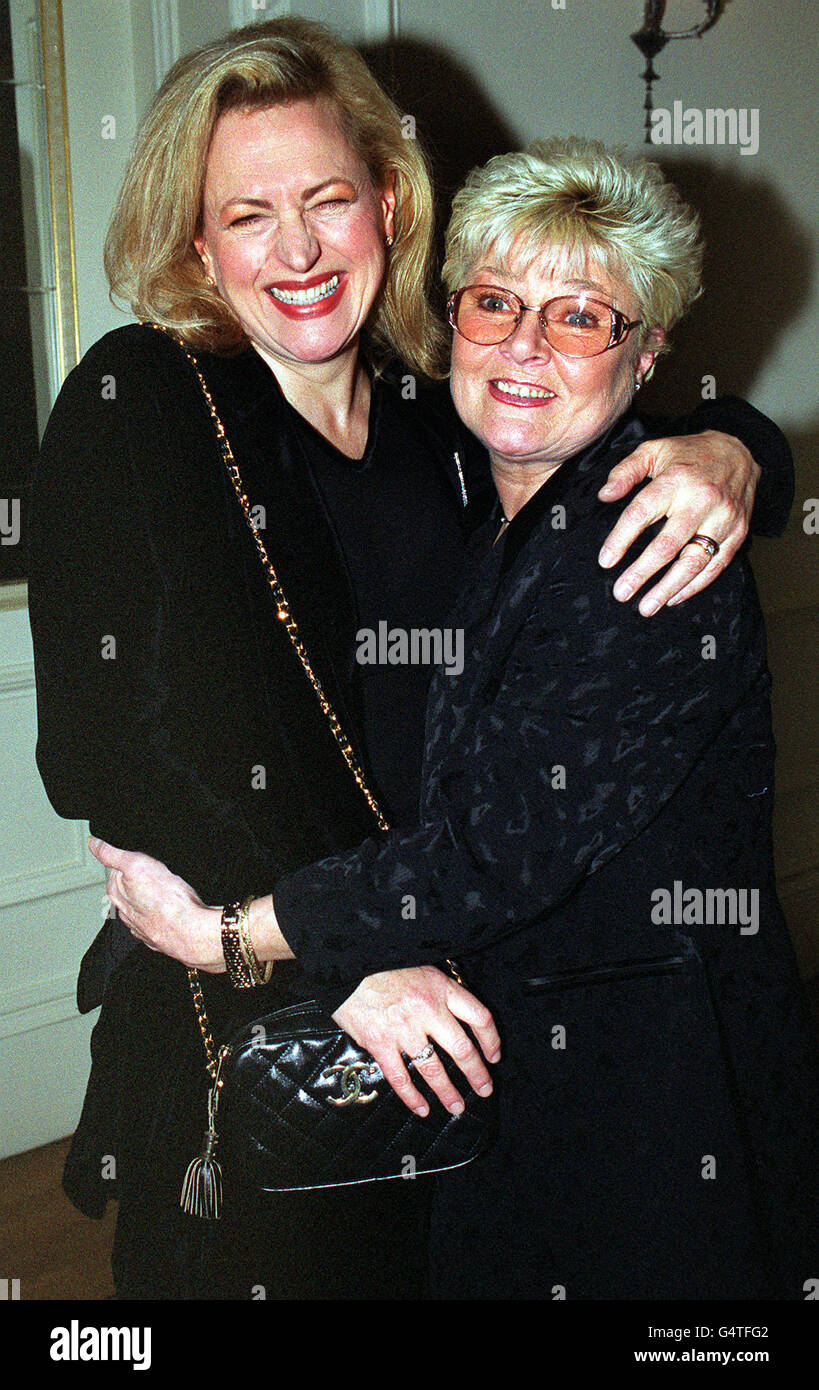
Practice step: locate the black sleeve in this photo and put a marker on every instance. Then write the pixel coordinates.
(499, 847)
(106, 749)
(763, 440)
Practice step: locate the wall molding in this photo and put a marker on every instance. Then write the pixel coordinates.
(16, 677)
(382, 20)
(13, 595)
(165, 28)
(78, 870)
(40, 1004)
(73, 866)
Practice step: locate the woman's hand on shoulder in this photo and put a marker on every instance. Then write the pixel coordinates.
(396, 1014)
(160, 909)
(703, 484)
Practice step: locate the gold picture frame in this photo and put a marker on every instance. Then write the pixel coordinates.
(65, 341)
(59, 175)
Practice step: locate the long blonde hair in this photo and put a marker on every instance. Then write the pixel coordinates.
(150, 258)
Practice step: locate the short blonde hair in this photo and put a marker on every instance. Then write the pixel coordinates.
(150, 258)
(588, 204)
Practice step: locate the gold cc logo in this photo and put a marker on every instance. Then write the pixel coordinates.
(351, 1077)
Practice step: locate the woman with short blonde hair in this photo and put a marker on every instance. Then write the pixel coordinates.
(589, 203)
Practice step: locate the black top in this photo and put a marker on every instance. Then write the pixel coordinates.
(404, 548)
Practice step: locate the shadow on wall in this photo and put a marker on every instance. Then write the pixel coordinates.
(457, 123)
(759, 267)
(786, 569)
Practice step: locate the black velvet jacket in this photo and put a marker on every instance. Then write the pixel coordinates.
(173, 713)
(166, 687)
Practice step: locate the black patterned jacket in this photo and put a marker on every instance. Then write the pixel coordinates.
(584, 760)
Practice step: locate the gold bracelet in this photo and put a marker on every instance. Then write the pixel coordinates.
(239, 972)
(258, 975)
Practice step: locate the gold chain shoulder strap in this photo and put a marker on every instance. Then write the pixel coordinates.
(284, 615)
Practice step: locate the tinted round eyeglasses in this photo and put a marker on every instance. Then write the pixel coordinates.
(572, 324)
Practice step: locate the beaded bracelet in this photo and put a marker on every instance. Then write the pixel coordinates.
(259, 975)
(238, 970)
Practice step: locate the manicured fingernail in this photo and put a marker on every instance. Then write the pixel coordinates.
(623, 590)
(485, 1090)
(606, 557)
(648, 607)
(456, 1108)
(495, 1056)
(422, 1110)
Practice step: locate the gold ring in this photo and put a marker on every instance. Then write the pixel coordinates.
(708, 544)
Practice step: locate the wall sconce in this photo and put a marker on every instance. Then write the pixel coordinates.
(652, 39)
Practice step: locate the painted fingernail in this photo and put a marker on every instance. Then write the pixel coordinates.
(485, 1090)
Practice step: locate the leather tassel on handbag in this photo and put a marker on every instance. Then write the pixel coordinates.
(302, 1106)
(202, 1187)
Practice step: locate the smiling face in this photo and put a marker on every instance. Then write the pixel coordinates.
(293, 230)
(530, 405)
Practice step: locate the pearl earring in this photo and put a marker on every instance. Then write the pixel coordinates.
(388, 240)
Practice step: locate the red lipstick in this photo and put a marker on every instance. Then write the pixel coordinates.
(288, 295)
(522, 402)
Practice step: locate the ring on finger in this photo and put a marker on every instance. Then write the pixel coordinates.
(707, 543)
(423, 1056)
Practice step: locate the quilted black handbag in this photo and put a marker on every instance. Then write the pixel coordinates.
(303, 1106)
(299, 1104)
